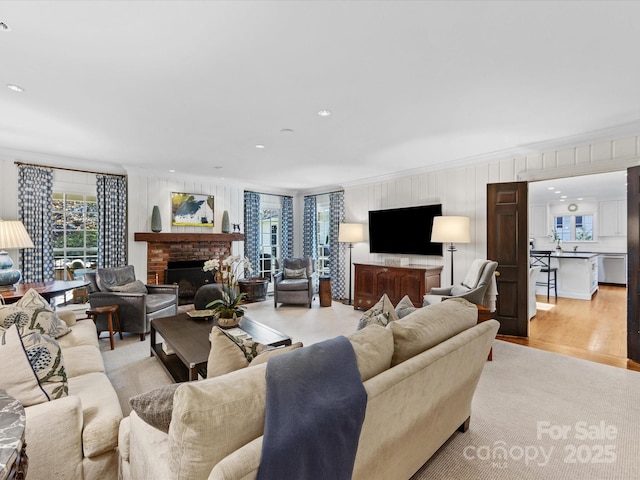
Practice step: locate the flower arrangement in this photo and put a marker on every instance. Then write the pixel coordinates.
(229, 269)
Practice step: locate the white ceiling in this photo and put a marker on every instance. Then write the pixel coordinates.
(192, 86)
(587, 188)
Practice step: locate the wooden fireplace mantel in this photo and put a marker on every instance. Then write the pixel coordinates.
(187, 237)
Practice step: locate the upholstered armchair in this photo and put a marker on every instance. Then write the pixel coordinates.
(294, 284)
(138, 303)
(476, 286)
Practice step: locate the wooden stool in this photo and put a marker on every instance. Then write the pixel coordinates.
(111, 311)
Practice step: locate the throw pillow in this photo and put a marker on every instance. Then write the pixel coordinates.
(155, 407)
(132, 287)
(373, 347)
(33, 369)
(229, 353)
(384, 306)
(43, 318)
(294, 273)
(273, 352)
(404, 307)
(428, 326)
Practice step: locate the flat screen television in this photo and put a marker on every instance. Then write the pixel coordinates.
(404, 230)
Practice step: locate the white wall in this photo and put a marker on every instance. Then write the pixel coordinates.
(145, 192)
(462, 191)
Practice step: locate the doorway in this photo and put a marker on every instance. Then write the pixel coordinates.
(583, 214)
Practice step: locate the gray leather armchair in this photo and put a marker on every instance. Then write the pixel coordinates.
(287, 289)
(136, 307)
(473, 288)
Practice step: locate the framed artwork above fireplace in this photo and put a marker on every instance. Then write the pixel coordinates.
(191, 210)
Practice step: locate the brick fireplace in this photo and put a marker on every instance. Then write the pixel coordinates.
(165, 247)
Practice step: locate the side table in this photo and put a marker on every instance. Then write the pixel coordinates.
(13, 455)
(483, 315)
(325, 291)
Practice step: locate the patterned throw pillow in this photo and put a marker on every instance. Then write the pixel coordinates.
(380, 314)
(295, 273)
(33, 369)
(43, 318)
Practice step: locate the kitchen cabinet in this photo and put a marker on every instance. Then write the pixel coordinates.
(374, 280)
(538, 226)
(612, 218)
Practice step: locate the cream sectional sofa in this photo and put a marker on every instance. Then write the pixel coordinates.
(420, 374)
(76, 436)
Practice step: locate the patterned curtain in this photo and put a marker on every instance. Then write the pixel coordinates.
(112, 220)
(286, 239)
(252, 229)
(35, 198)
(337, 252)
(310, 233)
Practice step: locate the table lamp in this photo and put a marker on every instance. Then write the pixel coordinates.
(12, 235)
(350, 233)
(451, 229)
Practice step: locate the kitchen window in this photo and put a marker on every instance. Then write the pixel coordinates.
(573, 228)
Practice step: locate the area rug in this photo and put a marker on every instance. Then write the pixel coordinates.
(536, 415)
(540, 415)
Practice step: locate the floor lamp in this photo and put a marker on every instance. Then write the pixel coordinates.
(451, 229)
(350, 233)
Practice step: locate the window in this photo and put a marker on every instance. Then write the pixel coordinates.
(322, 208)
(573, 228)
(269, 242)
(75, 231)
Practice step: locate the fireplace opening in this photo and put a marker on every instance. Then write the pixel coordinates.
(189, 276)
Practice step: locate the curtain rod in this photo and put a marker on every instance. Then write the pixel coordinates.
(272, 194)
(68, 169)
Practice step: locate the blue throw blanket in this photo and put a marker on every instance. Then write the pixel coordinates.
(315, 408)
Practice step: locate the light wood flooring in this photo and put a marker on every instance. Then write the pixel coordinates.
(593, 330)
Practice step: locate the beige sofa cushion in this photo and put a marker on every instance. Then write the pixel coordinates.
(214, 417)
(83, 359)
(429, 326)
(101, 412)
(373, 347)
(82, 333)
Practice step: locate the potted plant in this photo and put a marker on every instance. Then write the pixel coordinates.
(227, 309)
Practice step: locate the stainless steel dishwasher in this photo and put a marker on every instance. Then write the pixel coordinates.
(612, 268)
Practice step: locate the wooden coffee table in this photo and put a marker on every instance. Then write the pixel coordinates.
(189, 339)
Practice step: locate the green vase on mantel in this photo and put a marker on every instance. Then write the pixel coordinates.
(226, 226)
(156, 221)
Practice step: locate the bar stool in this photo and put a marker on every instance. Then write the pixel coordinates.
(111, 311)
(542, 259)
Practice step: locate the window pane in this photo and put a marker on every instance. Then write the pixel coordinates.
(584, 227)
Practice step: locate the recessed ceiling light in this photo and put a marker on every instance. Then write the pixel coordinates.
(172, 171)
(286, 130)
(551, 188)
(562, 199)
(15, 88)
(563, 196)
(324, 112)
(259, 146)
(557, 191)
(4, 26)
(580, 198)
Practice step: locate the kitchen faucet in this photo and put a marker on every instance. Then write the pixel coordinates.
(575, 249)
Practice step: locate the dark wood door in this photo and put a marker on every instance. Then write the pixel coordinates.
(633, 263)
(507, 244)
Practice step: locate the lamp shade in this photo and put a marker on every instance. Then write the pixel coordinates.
(14, 235)
(351, 232)
(451, 229)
